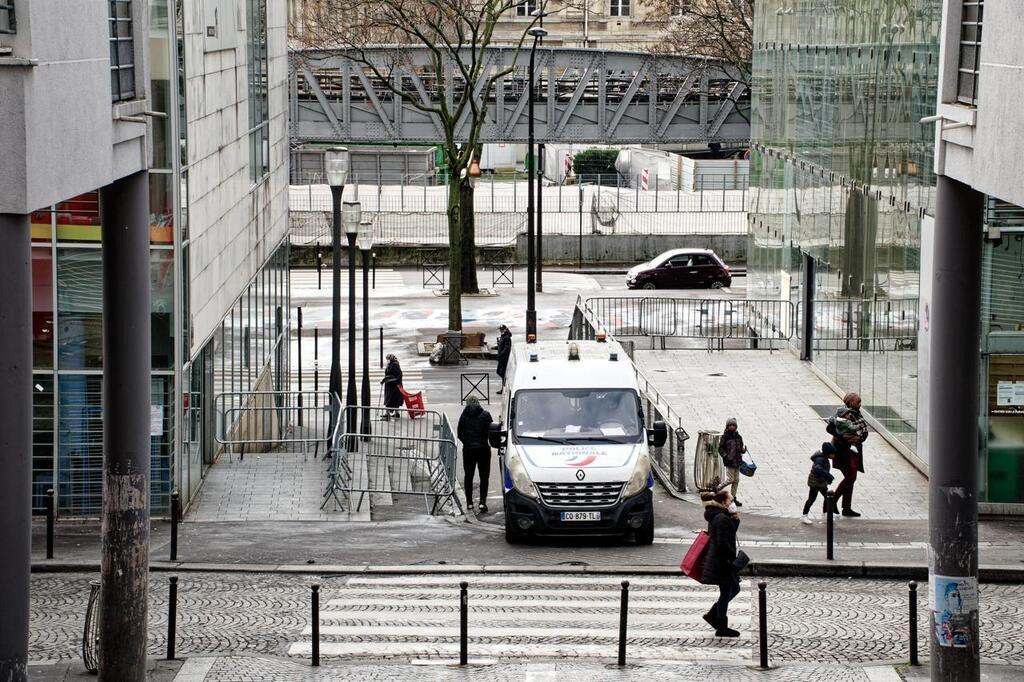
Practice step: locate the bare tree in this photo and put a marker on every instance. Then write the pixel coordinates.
(376, 35)
(723, 29)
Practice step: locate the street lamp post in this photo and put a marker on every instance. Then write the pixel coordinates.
(365, 241)
(336, 168)
(531, 264)
(351, 215)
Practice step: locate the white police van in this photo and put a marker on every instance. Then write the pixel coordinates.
(573, 444)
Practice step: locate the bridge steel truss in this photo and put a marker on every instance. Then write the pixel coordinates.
(580, 95)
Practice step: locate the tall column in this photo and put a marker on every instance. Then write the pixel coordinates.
(15, 443)
(953, 432)
(124, 566)
(539, 170)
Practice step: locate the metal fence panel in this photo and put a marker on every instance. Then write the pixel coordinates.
(401, 456)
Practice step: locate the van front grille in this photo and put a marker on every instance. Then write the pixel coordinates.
(580, 494)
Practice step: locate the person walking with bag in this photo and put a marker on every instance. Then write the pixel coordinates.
(474, 427)
(392, 383)
(731, 450)
(722, 563)
(848, 442)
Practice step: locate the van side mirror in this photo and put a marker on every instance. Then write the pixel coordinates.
(657, 434)
(497, 437)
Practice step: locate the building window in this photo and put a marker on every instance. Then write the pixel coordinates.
(970, 51)
(526, 8)
(7, 23)
(122, 51)
(681, 7)
(619, 8)
(256, 49)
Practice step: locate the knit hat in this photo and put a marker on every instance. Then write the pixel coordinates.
(731, 421)
(472, 400)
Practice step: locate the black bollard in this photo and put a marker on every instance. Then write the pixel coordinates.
(830, 528)
(463, 622)
(913, 623)
(172, 617)
(175, 517)
(623, 612)
(49, 523)
(381, 332)
(316, 358)
(762, 616)
(373, 260)
(315, 619)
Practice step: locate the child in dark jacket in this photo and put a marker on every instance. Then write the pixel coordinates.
(818, 479)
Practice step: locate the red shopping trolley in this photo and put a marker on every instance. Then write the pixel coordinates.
(413, 402)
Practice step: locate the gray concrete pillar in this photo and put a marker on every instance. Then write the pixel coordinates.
(953, 432)
(124, 206)
(15, 443)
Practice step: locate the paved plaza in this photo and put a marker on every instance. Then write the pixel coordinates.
(771, 395)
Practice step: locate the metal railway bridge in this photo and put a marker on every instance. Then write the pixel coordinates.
(579, 96)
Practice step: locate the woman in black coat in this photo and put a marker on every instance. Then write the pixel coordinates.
(720, 561)
(392, 382)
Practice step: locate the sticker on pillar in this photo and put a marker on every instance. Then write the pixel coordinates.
(954, 603)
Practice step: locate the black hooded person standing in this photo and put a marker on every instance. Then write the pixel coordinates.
(720, 561)
(474, 425)
(504, 350)
(392, 383)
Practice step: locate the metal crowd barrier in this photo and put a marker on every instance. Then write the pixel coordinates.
(401, 456)
(268, 420)
(755, 321)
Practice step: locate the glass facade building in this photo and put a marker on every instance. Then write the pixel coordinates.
(841, 178)
(842, 191)
(247, 349)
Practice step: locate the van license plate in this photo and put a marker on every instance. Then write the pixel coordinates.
(581, 516)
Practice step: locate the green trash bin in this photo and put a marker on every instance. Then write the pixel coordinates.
(1005, 473)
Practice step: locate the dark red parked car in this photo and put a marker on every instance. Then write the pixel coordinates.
(681, 269)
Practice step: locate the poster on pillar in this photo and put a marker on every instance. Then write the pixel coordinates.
(954, 604)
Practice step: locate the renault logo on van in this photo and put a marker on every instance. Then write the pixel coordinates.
(580, 474)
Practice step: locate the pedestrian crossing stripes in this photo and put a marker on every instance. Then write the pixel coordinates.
(525, 616)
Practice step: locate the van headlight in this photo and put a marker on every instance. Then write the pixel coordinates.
(520, 479)
(641, 472)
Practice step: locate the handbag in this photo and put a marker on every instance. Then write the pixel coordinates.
(692, 564)
(741, 560)
(748, 468)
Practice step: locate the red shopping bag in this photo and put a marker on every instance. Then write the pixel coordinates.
(692, 564)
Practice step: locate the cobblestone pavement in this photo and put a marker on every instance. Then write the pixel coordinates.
(779, 427)
(818, 621)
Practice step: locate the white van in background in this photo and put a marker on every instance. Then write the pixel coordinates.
(573, 444)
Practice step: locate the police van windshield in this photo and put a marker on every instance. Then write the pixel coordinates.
(571, 415)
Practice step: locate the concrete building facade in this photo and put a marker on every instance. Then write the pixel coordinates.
(215, 143)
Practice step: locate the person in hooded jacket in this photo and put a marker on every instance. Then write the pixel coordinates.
(392, 383)
(474, 427)
(731, 449)
(720, 560)
(819, 479)
(504, 351)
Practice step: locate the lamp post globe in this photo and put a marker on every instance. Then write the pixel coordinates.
(336, 166)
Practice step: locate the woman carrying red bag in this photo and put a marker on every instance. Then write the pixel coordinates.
(722, 561)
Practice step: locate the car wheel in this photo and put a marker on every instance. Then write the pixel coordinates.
(717, 284)
(649, 286)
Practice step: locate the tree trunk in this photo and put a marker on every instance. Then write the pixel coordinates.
(468, 245)
(455, 238)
